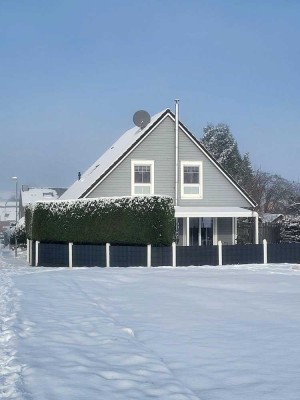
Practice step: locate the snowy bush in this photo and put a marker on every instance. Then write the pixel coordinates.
(120, 220)
(20, 231)
(290, 229)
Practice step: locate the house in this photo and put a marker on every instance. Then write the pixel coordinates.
(164, 158)
(7, 214)
(29, 195)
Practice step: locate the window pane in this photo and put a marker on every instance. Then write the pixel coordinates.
(191, 174)
(191, 189)
(142, 189)
(142, 174)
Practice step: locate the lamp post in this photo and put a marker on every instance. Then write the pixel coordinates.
(15, 178)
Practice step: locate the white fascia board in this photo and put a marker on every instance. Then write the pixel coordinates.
(125, 156)
(213, 212)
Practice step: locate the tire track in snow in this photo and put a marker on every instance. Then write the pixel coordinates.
(10, 369)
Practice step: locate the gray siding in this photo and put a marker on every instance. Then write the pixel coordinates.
(217, 190)
(160, 147)
(225, 230)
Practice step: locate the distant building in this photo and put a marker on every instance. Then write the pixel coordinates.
(7, 214)
(29, 195)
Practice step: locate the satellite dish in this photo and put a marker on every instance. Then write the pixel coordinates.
(141, 118)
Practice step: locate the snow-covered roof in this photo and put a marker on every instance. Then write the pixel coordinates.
(119, 148)
(7, 211)
(31, 195)
(267, 217)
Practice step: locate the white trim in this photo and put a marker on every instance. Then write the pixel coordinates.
(127, 155)
(147, 163)
(198, 185)
(218, 212)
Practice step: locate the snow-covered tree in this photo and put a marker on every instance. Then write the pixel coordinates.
(290, 229)
(219, 141)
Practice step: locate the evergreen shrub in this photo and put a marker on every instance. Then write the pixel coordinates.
(121, 220)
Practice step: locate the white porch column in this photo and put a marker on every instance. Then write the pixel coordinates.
(188, 231)
(256, 227)
(215, 231)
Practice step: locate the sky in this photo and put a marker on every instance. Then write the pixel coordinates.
(73, 72)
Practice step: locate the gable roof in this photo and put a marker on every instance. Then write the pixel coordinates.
(120, 149)
(110, 158)
(31, 195)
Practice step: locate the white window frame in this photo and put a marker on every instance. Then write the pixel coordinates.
(199, 185)
(147, 163)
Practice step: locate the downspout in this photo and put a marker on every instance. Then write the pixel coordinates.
(176, 148)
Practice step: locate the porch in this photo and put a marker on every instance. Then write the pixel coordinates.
(204, 226)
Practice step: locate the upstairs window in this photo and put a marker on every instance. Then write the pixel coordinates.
(191, 180)
(142, 177)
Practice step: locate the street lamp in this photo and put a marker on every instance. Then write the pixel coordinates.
(15, 178)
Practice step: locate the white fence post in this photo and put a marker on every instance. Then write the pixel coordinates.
(220, 252)
(107, 246)
(27, 255)
(70, 255)
(148, 255)
(37, 243)
(265, 244)
(173, 254)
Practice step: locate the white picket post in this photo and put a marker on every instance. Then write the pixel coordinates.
(173, 254)
(27, 254)
(148, 255)
(70, 255)
(37, 253)
(220, 252)
(265, 245)
(107, 247)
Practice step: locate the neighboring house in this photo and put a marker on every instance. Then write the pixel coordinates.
(271, 218)
(29, 195)
(7, 214)
(144, 162)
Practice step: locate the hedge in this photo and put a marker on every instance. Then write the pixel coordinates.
(121, 220)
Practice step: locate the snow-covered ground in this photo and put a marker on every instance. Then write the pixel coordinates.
(149, 333)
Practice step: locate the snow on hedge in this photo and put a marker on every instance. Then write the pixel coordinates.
(118, 220)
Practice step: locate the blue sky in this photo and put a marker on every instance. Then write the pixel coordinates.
(73, 72)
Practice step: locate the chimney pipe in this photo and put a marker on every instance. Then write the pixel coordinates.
(176, 148)
(79, 176)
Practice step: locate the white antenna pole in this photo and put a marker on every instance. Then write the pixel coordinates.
(176, 148)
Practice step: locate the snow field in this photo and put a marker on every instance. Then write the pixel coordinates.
(153, 333)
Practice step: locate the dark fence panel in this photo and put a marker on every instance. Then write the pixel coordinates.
(54, 254)
(284, 253)
(128, 256)
(243, 254)
(32, 249)
(89, 255)
(196, 255)
(161, 256)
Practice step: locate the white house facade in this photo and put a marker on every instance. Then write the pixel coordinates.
(164, 158)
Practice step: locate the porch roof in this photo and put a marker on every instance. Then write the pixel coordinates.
(215, 212)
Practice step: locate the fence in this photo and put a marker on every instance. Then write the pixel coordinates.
(267, 230)
(77, 255)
